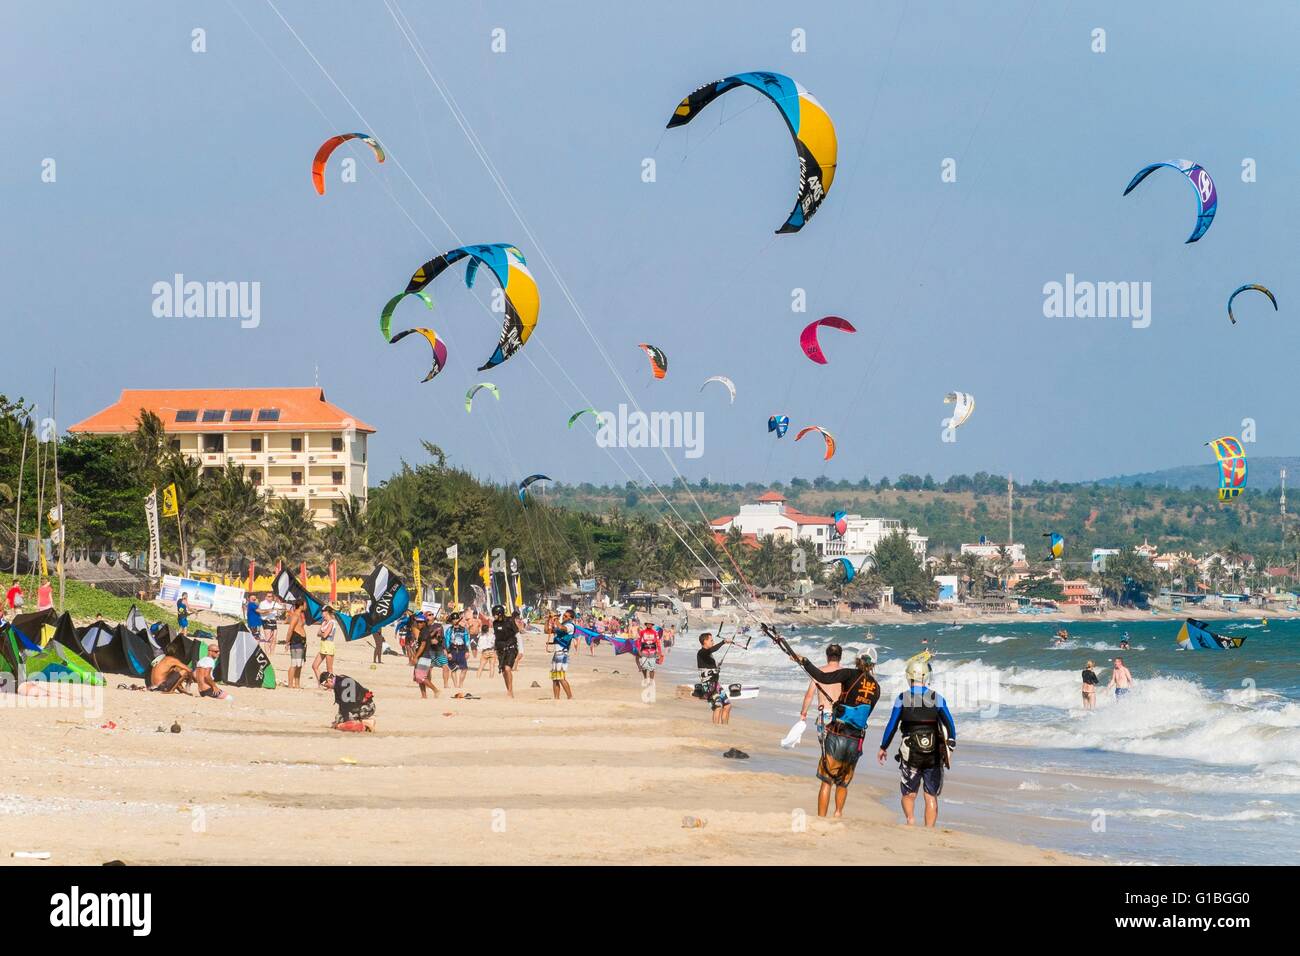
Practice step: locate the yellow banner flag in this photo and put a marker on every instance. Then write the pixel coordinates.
(486, 573)
(415, 561)
(170, 507)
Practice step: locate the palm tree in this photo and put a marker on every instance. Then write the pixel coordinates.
(230, 511)
(290, 533)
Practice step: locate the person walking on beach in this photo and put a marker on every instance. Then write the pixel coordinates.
(420, 648)
(1121, 679)
(458, 649)
(856, 694)
(472, 627)
(44, 596)
(1089, 687)
(823, 694)
(487, 649)
(923, 716)
(505, 645)
(711, 678)
(325, 653)
(561, 639)
(182, 613)
(297, 628)
(649, 653)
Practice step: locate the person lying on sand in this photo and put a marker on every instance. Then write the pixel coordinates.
(356, 704)
(169, 675)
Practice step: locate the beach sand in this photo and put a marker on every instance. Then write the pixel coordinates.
(605, 778)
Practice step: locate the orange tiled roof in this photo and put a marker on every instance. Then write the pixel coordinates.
(771, 496)
(300, 409)
(798, 517)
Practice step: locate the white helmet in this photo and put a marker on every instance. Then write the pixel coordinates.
(918, 670)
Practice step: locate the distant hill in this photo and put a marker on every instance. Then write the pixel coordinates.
(1264, 475)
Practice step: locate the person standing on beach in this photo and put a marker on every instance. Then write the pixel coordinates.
(711, 678)
(561, 639)
(297, 627)
(1121, 679)
(270, 613)
(253, 618)
(922, 715)
(44, 595)
(649, 652)
(823, 693)
(420, 649)
(458, 649)
(183, 613)
(473, 627)
(325, 653)
(505, 644)
(1089, 687)
(487, 649)
(857, 694)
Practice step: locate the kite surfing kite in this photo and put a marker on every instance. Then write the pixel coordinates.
(584, 411)
(1196, 635)
(1256, 288)
(1232, 466)
(469, 396)
(840, 524)
(779, 424)
(829, 438)
(808, 337)
(386, 316)
(1207, 197)
(727, 383)
(523, 485)
(658, 361)
(1055, 545)
(438, 346)
(328, 147)
(811, 127)
(964, 407)
(850, 572)
(507, 263)
(386, 601)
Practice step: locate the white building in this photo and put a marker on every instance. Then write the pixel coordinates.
(992, 552)
(769, 515)
(1099, 556)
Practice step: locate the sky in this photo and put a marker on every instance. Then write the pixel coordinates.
(172, 161)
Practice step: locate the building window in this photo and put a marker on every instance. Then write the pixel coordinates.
(268, 414)
(175, 444)
(336, 477)
(295, 444)
(188, 415)
(214, 444)
(214, 414)
(255, 444)
(295, 477)
(336, 443)
(255, 476)
(211, 472)
(241, 414)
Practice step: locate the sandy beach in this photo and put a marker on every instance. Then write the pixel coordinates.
(606, 778)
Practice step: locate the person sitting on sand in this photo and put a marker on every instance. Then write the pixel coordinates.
(203, 679)
(1121, 679)
(1089, 687)
(169, 675)
(356, 704)
(562, 639)
(710, 677)
(856, 694)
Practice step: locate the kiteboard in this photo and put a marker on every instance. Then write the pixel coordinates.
(742, 691)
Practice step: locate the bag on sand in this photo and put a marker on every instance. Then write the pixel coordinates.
(352, 727)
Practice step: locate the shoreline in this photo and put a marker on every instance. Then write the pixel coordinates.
(824, 618)
(605, 778)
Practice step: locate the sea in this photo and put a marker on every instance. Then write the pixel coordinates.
(1199, 763)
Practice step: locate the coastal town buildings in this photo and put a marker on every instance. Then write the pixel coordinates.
(291, 442)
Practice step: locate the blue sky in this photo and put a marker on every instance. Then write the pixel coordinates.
(171, 161)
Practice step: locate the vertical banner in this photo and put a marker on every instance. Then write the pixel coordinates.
(486, 574)
(415, 564)
(252, 573)
(155, 545)
(454, 554)
(334, 582)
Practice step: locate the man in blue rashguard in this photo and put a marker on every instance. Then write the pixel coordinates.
(929, 734)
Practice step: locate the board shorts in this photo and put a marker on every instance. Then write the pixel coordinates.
(560, 665)
(718, 699)
(507, 654)
(440, 660)
(647, 664)
(458, 658)
(422, 670)
(298, 654)
(839, 759)
(911, 779)
(327, 648)
(1120, 692)
(184, 622)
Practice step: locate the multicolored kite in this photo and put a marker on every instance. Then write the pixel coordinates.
(827, 436)
(811, 127)
(1255, 288)
(331, 144)
(438, 346)
(386, 316)
(507, 263)
(1232, 466)
(658, 361)
(1055, 546)
(1207, 197)
(779, 424)
(840, 524)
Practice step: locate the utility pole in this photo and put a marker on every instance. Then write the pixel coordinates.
(1011, 515)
